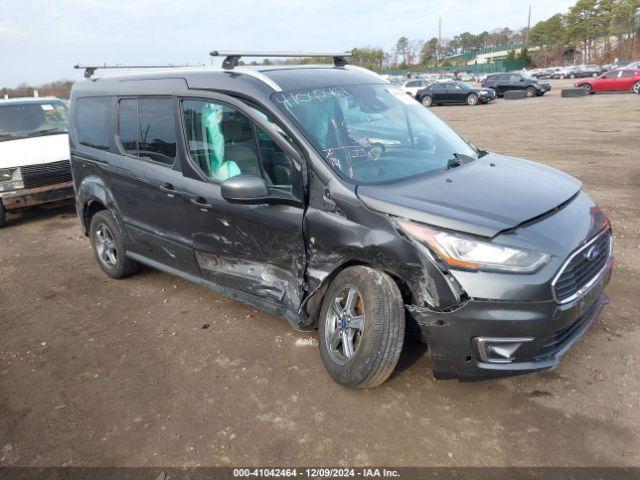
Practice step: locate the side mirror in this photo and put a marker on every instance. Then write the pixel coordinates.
(248, 189)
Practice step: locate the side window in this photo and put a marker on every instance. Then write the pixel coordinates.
(276, 164)
(613, 74)
(156, 130)
(92, 123)
(627, 74)
(221, 140)
(128, 125)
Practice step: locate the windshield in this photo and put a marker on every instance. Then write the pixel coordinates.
(372, 133)
(33, 119)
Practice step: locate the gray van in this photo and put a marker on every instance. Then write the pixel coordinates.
(326, 195)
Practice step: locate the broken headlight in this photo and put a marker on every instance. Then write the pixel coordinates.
(10, 179)
(460, 251)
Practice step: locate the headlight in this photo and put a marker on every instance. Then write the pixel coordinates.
(10, 179)
(464, 252)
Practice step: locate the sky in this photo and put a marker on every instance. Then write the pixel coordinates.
(40, 40)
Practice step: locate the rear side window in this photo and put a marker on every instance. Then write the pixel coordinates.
(92, 122)
(627, 74)
(146, 128)
(128, 125)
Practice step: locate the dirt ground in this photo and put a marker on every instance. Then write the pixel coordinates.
(95, 371)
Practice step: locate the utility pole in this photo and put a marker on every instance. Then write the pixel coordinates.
(439, 49)
(526, 37)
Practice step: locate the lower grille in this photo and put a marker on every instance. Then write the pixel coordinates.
(46, 174)
(584, 265)
(558, 340)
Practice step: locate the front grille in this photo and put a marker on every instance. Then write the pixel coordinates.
(558, 340)
(580, 269)
(46, 174)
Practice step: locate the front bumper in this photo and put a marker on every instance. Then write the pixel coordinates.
(28, 197)
(452, 336)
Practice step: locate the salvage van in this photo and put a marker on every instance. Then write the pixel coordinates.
(326, 195)
(34, 153)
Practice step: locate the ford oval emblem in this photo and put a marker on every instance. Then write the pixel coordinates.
(592, 253)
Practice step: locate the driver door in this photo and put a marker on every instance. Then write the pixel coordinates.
(255, 250)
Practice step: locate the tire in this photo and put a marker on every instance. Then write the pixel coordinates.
(3, 216)
(472, 99)
(426, 101)
(594, 75)
(587, 87)
(572, 76)
(531, 91)
(375, 344)
(107, 241)
(636, 88)
(562, 77)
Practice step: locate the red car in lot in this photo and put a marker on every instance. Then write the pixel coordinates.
(626, 79)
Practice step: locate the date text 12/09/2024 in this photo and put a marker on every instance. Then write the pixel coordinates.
(315, 473)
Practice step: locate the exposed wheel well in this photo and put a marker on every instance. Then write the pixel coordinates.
(90, 209)
(313, 304)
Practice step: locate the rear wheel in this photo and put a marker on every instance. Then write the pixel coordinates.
(636, 88)
(361, 327)
(572, 76)
(426, 101)
(594, 75)
(472, 99)
(531, 91)
(107, 241)
(3, 216)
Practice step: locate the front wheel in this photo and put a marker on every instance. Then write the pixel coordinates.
(636, 88)
(3, 216)
(531, 91)
(361, 327)
(587, 87)
(594, 75)
(426, 101)
(472, 99)
(572, 76)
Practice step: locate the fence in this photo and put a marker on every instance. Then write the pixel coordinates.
(506, 65)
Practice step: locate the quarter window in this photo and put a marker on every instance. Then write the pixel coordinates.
(92, 122)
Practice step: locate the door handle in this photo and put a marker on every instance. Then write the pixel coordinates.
(169, 189)
(200, 203)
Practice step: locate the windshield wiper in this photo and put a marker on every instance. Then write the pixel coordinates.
(46, 131)
(458, 159)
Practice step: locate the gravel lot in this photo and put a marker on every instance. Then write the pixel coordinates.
(101, 372)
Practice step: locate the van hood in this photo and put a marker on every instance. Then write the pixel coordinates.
(483, 197)
(34, 150)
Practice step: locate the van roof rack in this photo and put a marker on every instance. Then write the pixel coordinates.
(89, 70)
(232, 58)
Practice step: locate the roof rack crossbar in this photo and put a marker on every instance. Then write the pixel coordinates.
(89, 70)
(232, 58)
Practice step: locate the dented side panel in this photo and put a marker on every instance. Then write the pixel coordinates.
(341, 232)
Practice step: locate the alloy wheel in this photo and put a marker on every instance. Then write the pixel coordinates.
(345, 325)
(106, 246)
(636, 87)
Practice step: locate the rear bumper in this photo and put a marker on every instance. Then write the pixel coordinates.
(28, 197)
(553, 329)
